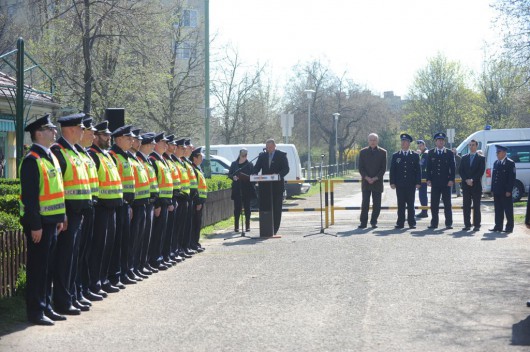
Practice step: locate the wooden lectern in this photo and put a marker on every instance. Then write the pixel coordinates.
(266, 216)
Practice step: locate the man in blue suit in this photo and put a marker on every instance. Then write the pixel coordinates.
(440, 177)
(502, 181)
(405, 177)
(471, 169)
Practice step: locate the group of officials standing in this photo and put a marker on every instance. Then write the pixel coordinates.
(435, 168)
(99, 216)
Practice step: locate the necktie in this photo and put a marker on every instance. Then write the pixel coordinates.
(471, 159)
(270, 159)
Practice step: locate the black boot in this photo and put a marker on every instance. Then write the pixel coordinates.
(236, 224)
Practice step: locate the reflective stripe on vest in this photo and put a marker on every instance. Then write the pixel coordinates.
(153, 181)
(141, 180)
(92, 174)
(191, 175)
(75, 178)
(51, 189)
(174, 174)
(126, 172)
(109, 179)
(202, 186)
(184, 178)
(165, 181)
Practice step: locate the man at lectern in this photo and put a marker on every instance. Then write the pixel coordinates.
(272, 162)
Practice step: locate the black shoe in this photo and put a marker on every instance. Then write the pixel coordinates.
(145, 271)
(151, 268)
(189, 252)
(508, 230)
(178, 259)
(51, 314)
(162, 267)
(80, 306)
(140, 274)
(84, 301)
(476, 228)
(131, 275)
(44, 320)
(528, 303)
(102, 294)
(361, 226)
(92, 296)
(449, 227)
(432, 227)
(374, 226)
(184, 255)
(467, 228)
(111, 288)
(236, 230)
(422, 215)
(200, 249)
(126, 280)
(170, 261)
(69, 311)
(248, 229)
(192, 251)
(412, 226)
(399, 226)
(495, 229)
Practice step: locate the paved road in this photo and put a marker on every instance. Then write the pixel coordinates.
(363, 290)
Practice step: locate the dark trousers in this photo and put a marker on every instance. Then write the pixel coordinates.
(38, 270)
(168, 237)
(102, 245)
(471, 195)
(405, 199)
(445, 193)
(63, 267)
(424, 201)
(82, 280)
(241, 202)
(137, 232)
(182, 222)
(189, 224)
(157, 237)
(376, 208)
(146, 237)
(120, 253)
(197, 225)
(503, 206)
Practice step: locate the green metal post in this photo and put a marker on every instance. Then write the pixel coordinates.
(19, 102)
(206, 165)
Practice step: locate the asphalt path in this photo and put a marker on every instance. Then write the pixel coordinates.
(346, 289)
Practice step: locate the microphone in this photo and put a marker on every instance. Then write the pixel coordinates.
(264, 149)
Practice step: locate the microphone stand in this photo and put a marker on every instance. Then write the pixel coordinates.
(242, 202)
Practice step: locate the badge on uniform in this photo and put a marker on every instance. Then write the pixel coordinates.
(398, 160)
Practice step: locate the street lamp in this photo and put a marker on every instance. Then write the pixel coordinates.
(309, 93)
(336, 115)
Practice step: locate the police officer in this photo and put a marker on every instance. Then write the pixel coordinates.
(502, 181)
(182, 198)
(440, 177)
(42, 213)
(77, 200)
(119, 265)
(146, 148)
(168, 256)
(202, 194)
(405, 178)
(110, 197)
(194, 192)
(422, 192)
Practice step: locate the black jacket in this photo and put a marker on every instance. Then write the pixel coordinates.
(241, 188)
(279, 165)
(472, 171)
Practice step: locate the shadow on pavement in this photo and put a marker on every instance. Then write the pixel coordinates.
(461, 234)
(521, 333)
(492, 236)
(354, 232)
(390, 232)
(427, 232)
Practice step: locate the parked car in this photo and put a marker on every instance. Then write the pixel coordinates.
(219, 165)
(490, 136)
(519, 152)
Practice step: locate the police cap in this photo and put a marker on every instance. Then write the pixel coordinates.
(148, 138)
(500, 148)
(136, 133)
(160, 137)
(125, 131)
(102, 128)
(41, 122)
(439, 135)
(405, 137)
(87, 124)
(72, 120)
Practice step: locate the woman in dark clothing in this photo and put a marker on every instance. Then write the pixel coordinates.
(242, 188)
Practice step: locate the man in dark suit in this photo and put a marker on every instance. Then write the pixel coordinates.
(441, 177)
(372, 167)
(422, 191)
(405, 177)
(272, 162)
(502, 181)
(472, 167)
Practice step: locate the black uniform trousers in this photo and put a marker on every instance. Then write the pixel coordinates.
(65, 254)
(170, 227)
(137, 233)
(405, 199)
(471, 195)
(197, 224)
(180, 214)
(445, 193)
(182, 223)
(157, 237)
(38, 270)
(503, 206)
(120, 253)
(102, 245)
(376, 208)
(81, 281)
(189, 220)
(146, 236)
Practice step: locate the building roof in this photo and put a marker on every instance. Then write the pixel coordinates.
(8, 87)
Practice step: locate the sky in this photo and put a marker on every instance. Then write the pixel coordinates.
(381, 44)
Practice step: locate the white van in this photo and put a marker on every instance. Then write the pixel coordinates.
(519, 152)
(231, 152)
(488, 136)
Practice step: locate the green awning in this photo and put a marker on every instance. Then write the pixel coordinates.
(7, 126)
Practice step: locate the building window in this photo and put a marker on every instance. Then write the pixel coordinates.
(189, 18)
(184, 50)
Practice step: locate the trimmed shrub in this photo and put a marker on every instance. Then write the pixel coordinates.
(9, 222)
(9, 181)
(9, 204)
(9, 189)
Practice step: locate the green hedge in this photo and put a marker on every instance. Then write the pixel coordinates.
(10, 189)
(9, 204)
(9, 222)
(218, 182)
(9, 181)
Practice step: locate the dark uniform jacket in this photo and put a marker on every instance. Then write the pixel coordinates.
(71, 205)
(279, 165)
(423, 163)
(405, 169)
(503, 177)
(197, 170)
(372, 163)
(29, 184)
(472, 171)
(440, 168)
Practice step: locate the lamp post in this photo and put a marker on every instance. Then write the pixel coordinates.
(336, 115)
(309, 93)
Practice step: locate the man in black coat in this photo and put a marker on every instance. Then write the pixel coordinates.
(272, 162)
(405, 177)
(441, 177)
(502, 181)
(472, 167)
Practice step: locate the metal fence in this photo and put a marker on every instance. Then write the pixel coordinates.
(12, 257)
(328, 171)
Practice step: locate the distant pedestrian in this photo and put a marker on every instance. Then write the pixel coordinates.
(502, 181)
(372, 167)
(242, 189)
(458, 159)
(422, 191)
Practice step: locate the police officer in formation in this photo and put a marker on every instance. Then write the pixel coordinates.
(440, 177)
(84, 192)
(405, 178)
(502, 181)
